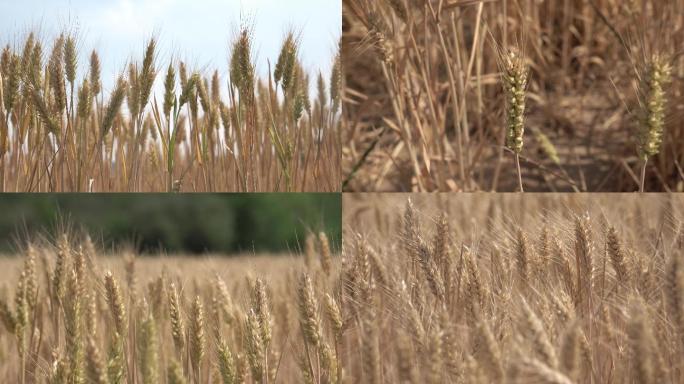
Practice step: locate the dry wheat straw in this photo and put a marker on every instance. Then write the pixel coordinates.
(375, 317)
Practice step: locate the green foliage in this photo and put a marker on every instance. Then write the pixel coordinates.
(219, 223)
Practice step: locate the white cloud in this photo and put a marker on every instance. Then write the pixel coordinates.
(131, 17)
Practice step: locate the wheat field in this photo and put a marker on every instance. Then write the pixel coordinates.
(437, 289)
(62, 132)
(520, 289)
(72, 313)
(508, 95)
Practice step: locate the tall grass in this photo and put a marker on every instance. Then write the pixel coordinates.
(479, 289)
(428, 101)
(61, 131)
(73, 314)
(535, 289)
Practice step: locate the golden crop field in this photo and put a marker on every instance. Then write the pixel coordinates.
(61, 132)
(439, 289)
(510, 95)
(73, 314)
(352, 160)
(519, 289)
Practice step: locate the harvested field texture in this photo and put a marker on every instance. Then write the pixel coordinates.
(508, 95)
(517, 289)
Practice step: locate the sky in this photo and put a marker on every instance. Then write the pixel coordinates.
(198, 32)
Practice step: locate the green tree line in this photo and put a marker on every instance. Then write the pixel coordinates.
(180, 223)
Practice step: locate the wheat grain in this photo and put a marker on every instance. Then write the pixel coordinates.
(196, 336)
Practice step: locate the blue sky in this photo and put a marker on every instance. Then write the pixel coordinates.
(198, 32)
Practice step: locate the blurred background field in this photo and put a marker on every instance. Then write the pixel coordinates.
(174, 224)
(204, 257)
(189, 268)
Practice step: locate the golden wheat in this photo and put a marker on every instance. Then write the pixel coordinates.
(62, 132)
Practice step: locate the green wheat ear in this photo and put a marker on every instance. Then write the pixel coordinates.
(84, 100)
(94, 74)
(241, 67)
(514, 76)
(653, 104)
(546, 146)
(336, 84)
(285, 66)
(70, 59)
(169, 90)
